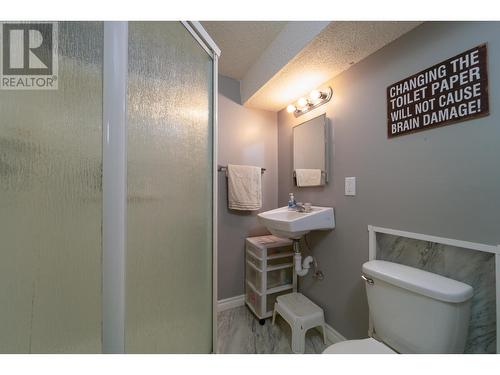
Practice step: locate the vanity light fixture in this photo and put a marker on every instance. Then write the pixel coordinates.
(314, 100)
(303, 102)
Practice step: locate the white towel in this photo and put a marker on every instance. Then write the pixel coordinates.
(308, 177)
(244, 187)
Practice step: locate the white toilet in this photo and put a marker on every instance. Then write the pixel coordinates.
(412, 311)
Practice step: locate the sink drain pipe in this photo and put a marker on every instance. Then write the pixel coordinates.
(301, 268)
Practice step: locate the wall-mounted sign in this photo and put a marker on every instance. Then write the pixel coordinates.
(451, 91)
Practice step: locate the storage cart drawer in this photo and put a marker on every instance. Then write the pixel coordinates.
(253, 276)
(259, 253)
(262, 305)
(275, 277)
(279, 277)
(279, 259)
(253, 300)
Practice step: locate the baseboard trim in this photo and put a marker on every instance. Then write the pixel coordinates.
(230, 303)
(332, 336)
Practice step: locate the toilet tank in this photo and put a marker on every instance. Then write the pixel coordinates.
(415, 311)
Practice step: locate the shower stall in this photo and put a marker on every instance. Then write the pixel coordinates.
(107, 241)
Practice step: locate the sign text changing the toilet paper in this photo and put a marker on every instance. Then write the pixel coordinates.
(446, 93)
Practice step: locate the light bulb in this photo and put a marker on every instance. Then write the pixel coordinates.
(291, 108)
(315, 94)
(302, 102)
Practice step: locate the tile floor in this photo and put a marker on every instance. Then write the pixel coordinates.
(239, 332)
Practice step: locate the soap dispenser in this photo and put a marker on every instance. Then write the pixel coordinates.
(291, 202)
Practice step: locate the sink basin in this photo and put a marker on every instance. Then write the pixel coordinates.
(292, 224)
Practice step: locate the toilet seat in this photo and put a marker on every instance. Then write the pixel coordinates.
(365, 346)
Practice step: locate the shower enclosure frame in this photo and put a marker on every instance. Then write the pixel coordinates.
(114, 179)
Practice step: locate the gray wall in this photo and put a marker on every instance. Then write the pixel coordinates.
(246, 136)
(443, 181)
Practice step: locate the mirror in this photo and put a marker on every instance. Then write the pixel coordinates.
(310, 152)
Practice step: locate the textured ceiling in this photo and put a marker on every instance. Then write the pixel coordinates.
(241, 43)
(338, 46)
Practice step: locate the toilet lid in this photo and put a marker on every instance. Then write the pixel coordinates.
(365, 346)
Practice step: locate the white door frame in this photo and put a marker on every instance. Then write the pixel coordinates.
(114, 185)
(201, 35)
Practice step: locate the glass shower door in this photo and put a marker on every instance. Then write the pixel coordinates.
(51, 198)
(169, 212)
(50, 204)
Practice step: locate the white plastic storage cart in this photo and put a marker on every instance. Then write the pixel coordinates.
(268, 273)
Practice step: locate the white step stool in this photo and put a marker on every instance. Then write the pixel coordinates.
(302, 314)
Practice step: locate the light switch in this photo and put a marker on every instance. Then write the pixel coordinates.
(350, 186)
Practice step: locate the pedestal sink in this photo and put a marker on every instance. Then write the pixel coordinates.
(292, 224)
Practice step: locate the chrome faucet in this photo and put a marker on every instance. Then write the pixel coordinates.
(299, 207)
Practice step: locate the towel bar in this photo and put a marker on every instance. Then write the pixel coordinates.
(224, 169)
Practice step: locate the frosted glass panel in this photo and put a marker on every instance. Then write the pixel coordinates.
(169, 249)
(50, 204)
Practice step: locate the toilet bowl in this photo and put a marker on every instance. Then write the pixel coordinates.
(412, 311)
(365, 346)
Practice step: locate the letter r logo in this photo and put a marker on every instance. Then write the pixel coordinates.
(27, 49)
